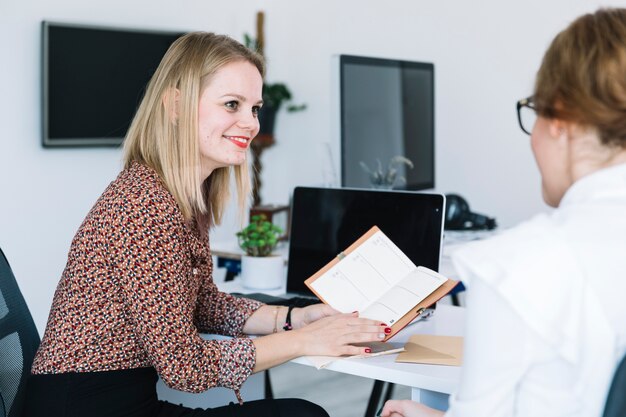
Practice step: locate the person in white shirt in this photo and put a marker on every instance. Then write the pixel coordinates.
(545, 308)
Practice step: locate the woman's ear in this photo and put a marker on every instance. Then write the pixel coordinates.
(558, 128)
(171, 99)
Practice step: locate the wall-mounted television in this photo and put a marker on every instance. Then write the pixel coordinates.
(386, 108)
(94, 79)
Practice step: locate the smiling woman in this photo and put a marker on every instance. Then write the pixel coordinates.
(137, 289)
(193, 80)
(228, 115)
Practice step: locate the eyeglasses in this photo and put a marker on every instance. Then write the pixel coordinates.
(526, 114)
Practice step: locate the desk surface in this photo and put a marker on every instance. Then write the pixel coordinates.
(231, 249)
(447, 321)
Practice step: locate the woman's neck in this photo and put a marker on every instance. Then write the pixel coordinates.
(590, 155)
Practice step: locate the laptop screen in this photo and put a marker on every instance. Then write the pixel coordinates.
(325, 221)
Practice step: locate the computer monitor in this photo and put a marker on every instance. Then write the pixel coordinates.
(325, 221)
(94, 79)
(386, 108)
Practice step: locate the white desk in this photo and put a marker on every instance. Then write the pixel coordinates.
(231, 250)
(430, 384)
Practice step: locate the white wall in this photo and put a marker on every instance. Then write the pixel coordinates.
(485, 55)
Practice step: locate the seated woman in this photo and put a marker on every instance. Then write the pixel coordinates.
(137, 289)
(545, 309)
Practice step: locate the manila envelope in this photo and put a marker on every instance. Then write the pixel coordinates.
(433, 350)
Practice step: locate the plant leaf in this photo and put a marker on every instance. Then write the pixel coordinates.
(365, 167)
(399, 159)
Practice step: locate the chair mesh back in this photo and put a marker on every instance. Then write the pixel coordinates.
(18, 342)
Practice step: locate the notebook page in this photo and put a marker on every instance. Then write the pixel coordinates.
(364, 274)
(405, 295)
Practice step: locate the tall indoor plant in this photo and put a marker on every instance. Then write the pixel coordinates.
(275, 96)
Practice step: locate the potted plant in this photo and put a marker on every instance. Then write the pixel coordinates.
(260, 269)
(274, 95)
(386, 177)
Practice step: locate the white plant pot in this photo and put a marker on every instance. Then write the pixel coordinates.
(262, 272)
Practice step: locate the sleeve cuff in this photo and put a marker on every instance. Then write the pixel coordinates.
(246, 307)
(237, 360)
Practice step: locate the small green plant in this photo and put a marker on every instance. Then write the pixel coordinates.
(260, 237)
(386, 177)
(274, 95)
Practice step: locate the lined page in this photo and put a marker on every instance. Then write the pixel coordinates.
(363, 275)
(400, 299)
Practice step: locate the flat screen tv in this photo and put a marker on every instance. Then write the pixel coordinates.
(93, 80)
(387, 108)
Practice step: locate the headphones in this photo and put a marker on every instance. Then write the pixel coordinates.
(459, 216)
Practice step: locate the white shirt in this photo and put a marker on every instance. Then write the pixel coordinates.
(546, 317)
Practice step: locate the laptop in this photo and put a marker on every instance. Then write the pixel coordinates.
(325, 221)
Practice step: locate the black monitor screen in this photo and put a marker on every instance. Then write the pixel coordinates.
(325, 221)
(387, 109)
(94, 79)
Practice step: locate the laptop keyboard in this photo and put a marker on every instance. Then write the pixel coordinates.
(280, 301)
(295, 302)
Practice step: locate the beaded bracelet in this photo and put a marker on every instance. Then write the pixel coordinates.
(288, 325)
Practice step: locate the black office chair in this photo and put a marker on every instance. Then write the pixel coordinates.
(616, 400)
(19, 341)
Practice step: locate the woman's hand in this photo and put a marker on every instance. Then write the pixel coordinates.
(327, 333)
(408, 408)
(335, 335)
(301, 317)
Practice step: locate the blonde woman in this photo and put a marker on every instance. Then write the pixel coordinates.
(137, 288)
(545, 321)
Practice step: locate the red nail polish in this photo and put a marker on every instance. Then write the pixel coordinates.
(387, 330)
(383, 324)
(368, 350)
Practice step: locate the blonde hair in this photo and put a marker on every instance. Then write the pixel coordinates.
(164, 132)
(583, 75)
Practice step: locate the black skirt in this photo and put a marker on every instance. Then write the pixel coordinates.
(132, 393)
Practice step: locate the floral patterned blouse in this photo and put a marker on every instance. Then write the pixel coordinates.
(136, 292)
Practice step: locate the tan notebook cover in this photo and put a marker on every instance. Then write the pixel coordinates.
(433, 350)
(410, 315)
